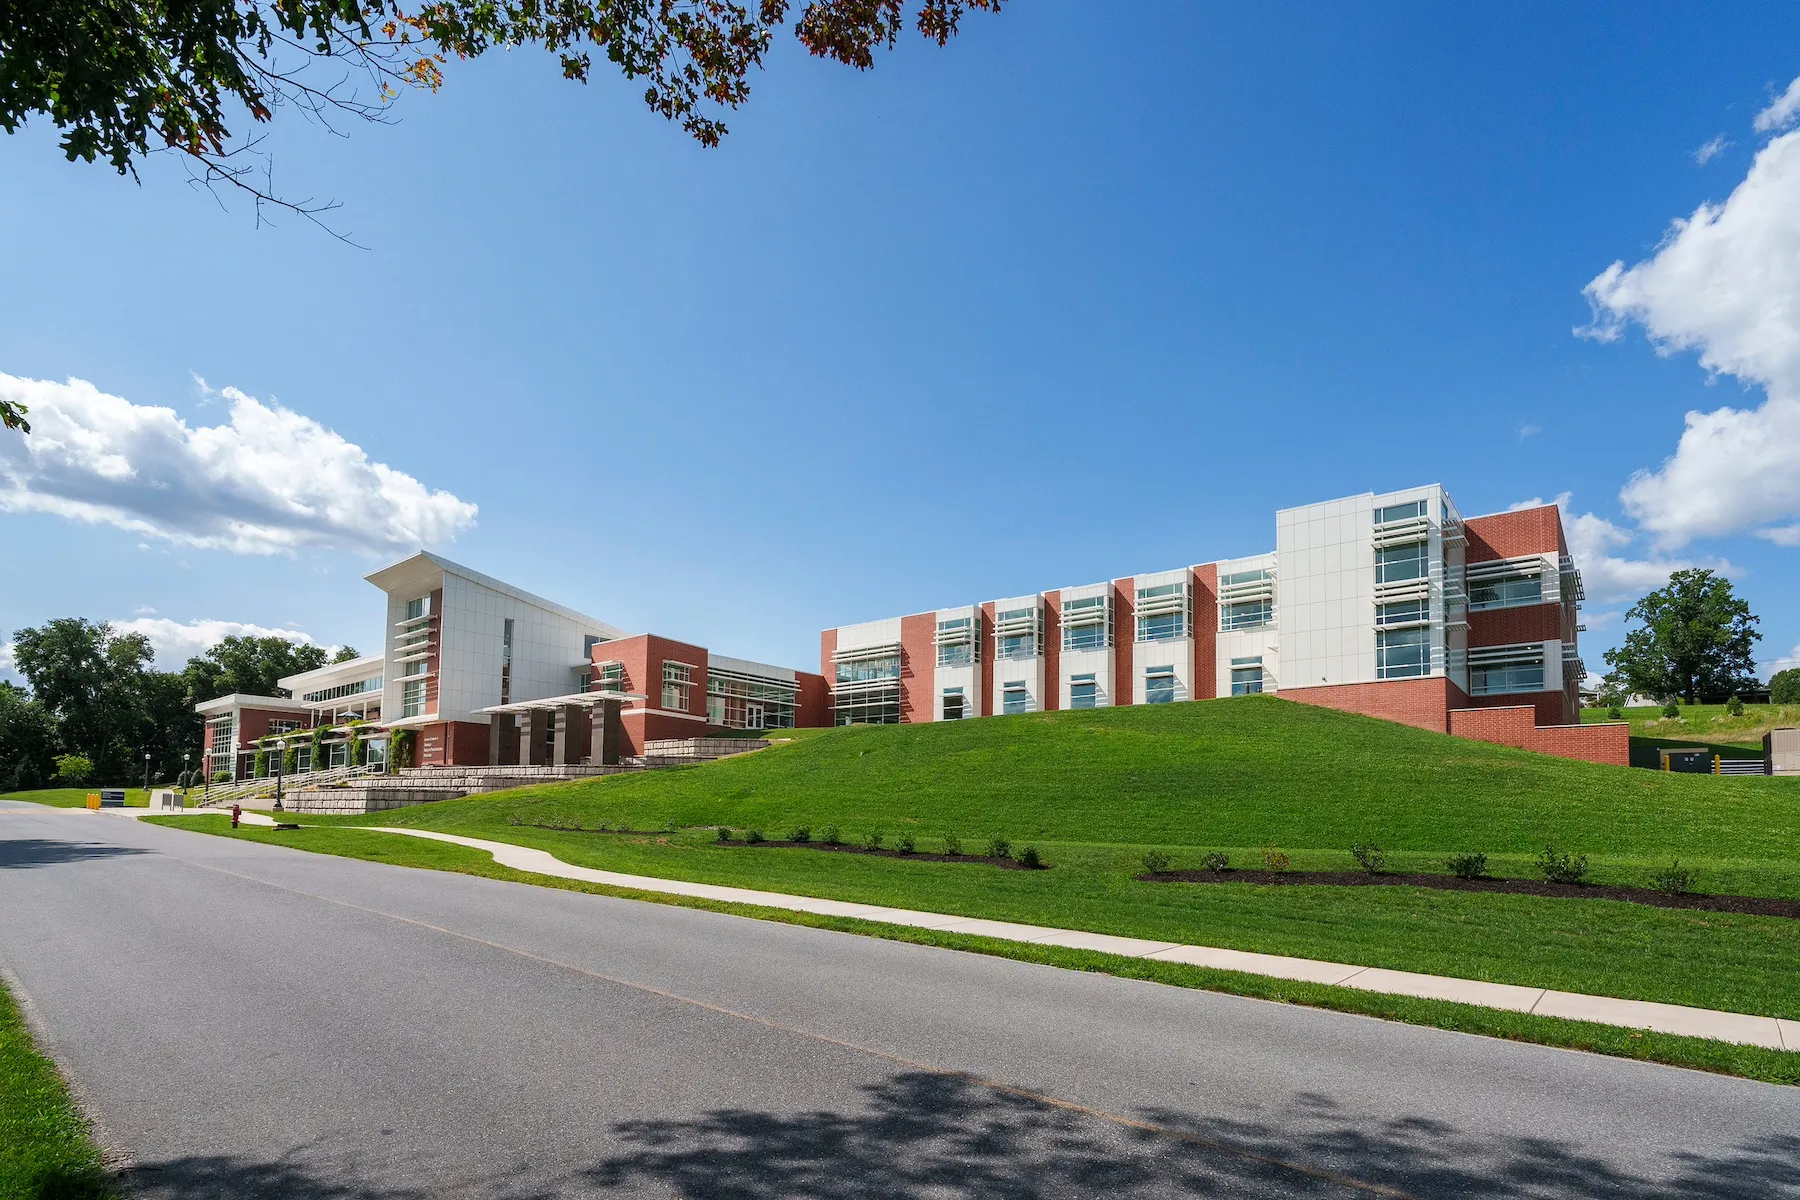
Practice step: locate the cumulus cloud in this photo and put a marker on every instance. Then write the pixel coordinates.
(1528, 429)
(1788, 660)
(1711, 150)
(1781, 112)
(1724, 283)
(1606, 575)
(177, 641)
(270, 481)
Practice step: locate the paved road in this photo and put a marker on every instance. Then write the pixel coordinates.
(248, 1020)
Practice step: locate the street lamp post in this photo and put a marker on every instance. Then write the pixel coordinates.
(184, 771)
(146, 770)
(280, 754)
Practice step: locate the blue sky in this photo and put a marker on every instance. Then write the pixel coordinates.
(1069, 299)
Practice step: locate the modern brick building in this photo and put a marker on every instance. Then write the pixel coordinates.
(1391, 605)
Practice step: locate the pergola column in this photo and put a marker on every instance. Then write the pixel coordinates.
(607, 732)
(534, 732)
(571, 735)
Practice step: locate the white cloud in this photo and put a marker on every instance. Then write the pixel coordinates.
(176, 641)
(1781, 113)
(1529, 430)
(1711, 150)
(1782, 535)
(1600, 622)
(1791, 659)
(1726, 283)
(270, 482)
(1606, 576)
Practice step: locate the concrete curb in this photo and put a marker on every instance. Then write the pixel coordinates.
(1769, 1032)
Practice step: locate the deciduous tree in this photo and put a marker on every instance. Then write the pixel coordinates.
(1695, 639)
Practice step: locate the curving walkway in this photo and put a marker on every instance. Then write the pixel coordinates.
(1770, 1032)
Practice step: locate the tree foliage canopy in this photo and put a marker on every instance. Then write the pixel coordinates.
(1696, 640)
(1784, 686)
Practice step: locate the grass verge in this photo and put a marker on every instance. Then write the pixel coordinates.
(75, 797)
(1750, 1062)
(46, 1150)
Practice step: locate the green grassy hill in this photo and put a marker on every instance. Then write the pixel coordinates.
(1707, 725)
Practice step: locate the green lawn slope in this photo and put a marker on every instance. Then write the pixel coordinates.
(1705, 725)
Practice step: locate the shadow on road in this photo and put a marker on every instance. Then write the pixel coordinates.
(43, 852)
(926, 1135)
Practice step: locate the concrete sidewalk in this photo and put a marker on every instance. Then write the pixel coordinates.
(1770, 1032)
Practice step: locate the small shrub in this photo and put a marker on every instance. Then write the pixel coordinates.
(1156, 862)
(801, 835)
(1562, 867)
(1615, 713)
(952, 846)
(1671, 709)
(1467, 866)
(906, 845)
(753, 836)
(872, 841)
(1274, 859)
(999, 848)
(724, 834)
(1673, 880)
(1030, 859)
(1369, 857)
(830, 836)
(1735, 706)
(1216, 861)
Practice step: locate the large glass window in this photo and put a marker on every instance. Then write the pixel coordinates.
(1084, 637)
(1396, 564)
(415, 608)
(1402, 653)
(1402, 512)
(739, 701)
(412, 698)
(371, 684)
(868, 704)
(1506, 591)
(1159, 685)
(1163, 627)
(1247, 614)
(1083, 691)
(677, 680)
(863, 670)
(506, 643)
(960, 654)
(1496, 671)
(1087, 623)
(1404, 612)
(956, 645)
(1018, 636)
(1162, 612)
(1014, 698)
(1247, 676)
(953, 704)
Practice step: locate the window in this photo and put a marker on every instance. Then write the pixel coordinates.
(1250, 614)
(1159, 685)
(862, 670)
(1083, 692)
(742, 701)
(956, 645)
(416, 608)
(1506, 591)
(1018, 634)
(1087, 623)
(1402, 653)
(1401, 512)
(506, 639)
(1014, 698)
(677, 678)
(412, 698)
(224, 743)
(1395, 564)
(609, 677)
(1238, 578)
(414, 668)
(1247, 676)
(282, 726)
(867, 704)
(1405, 612)
(1499, 670)
(1162, 612)
(371, 684)
(953, 704)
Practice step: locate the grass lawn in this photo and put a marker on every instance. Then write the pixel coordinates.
(45, 1148)
(1706, 725)
(1094, 790)
(1751, 1062)
(76, 797)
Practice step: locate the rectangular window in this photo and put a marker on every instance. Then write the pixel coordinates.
(1164, 627)
(1159, 685)
(1405, 612)
(1402, 512)
(1235, 578)
(1087, 623)
(1396, 564)
(863, 670)
(1085, 637)
(1083, 692)
(412, 698)
(1247, 676)
(1162, 612)
(959, 654)
(677, 679)
(416, 608)
(414, 668)
(1501, 670)
(1014, 698)
(953, 704)
(1402, 653)
(1506, 591)
(956, 644)
(506, 640)
(1249, 614)
(283, 726)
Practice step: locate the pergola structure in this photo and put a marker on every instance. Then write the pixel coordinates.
(558, 731)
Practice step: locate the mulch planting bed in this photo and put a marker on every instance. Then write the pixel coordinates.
(917, 855)
(1755, 906)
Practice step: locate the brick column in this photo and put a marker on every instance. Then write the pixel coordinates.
(534, 731)
(571, 731)
(606, 732)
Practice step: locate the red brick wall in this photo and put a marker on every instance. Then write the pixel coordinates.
(1510, 626)
(918, 667)
(1052, 651)
(1518, 726)
(1424, 703)
(812, 704)
(989, 702)
(432, 745)
(639, 725)
(1510, 534)
(432, 664)
(1206, 631)
(1552, 708)
(1124, 636)
(468, 743)
(643, 657)
(827, 648)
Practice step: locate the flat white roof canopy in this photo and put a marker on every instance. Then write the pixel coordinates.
(580, 699)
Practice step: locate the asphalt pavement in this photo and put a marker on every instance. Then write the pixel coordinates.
(247, 1020)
